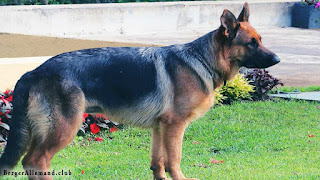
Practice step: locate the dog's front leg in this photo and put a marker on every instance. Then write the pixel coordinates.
(172, 135)
(158, 155)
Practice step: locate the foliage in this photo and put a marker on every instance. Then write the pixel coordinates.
(236, 89)
(315, 3)
(218, 97)
(263, 83)
(5, 113)
(310, 2)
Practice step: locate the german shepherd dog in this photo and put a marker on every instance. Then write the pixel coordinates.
(163, 88)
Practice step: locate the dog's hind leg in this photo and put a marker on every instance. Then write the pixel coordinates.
(158, 158)
(55, 119)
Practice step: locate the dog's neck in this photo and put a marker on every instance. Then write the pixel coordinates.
(213, 52)
(221, 51)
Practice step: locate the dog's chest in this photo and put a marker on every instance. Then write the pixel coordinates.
(204, 105)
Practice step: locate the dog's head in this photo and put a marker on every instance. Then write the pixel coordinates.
(243, 42)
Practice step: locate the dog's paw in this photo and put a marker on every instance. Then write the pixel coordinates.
(162, 179)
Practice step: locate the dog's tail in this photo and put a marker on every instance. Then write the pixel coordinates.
(18, 135)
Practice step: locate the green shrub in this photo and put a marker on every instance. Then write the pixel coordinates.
(218, 97)
(263, 82)
(236, 89)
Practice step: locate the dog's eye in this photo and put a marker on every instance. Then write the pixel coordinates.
(253, 43)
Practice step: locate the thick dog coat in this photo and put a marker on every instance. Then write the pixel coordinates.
(163, 88)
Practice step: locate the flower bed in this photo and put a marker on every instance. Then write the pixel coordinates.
(94, 123)
(5, 113)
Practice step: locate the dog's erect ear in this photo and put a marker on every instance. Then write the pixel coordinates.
(244, 15)
(229, 22)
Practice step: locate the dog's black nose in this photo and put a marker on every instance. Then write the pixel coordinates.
(275, 60)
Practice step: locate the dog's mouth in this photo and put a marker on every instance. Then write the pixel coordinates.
(261, 63)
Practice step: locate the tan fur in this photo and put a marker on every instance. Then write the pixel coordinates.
(48, 137)
(159, 154)
(247, 32)
(172, 142)
(39, 117)
(190, 103)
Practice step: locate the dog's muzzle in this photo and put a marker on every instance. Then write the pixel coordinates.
(275, 60)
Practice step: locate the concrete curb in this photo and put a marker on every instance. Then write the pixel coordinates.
(307, 96)
(135, 18)
(24, 60)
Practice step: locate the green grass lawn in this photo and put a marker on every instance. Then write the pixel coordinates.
(301, 89)
(256, 140)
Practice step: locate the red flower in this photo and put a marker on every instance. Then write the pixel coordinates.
(82, 172)
(85, 115)
(9, 99)
(94, 128)
(99, 115)
(89, 139)
(1, 113)
(98, 139)
(113, 129)
(7, 91)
